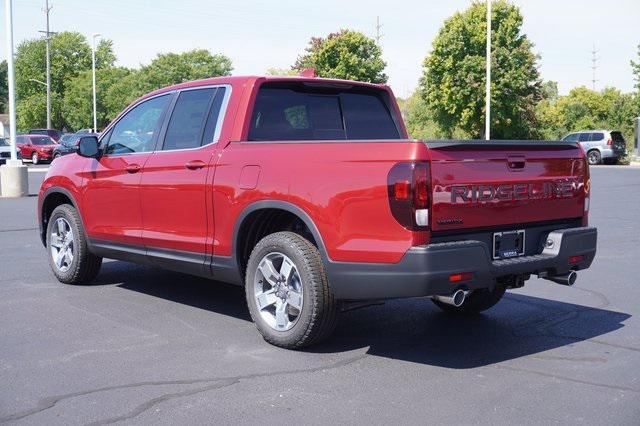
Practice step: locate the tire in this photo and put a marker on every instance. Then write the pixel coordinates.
(593, 157)
(82, 266)
(318, 316)
(475, 302)
(34, 158)
(56, 155)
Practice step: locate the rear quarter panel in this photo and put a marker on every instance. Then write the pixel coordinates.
(341, 185)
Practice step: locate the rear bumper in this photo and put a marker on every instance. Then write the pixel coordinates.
(612, 153)
(425, 270)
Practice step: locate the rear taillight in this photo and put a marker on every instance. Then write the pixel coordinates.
(610, 142)
(408, 189)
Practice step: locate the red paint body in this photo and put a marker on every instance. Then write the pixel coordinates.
(340, 185)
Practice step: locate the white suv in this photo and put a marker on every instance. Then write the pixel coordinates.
(600, 145)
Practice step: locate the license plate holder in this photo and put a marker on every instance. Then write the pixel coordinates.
(508, 244)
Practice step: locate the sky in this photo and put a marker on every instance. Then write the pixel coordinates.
(261, 34)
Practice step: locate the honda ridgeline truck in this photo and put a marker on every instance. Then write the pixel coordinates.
(308, 192)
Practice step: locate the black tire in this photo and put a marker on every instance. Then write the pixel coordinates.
(319, 314)
(475, 302)
(85, 266)
(593, 157)
(56, 155)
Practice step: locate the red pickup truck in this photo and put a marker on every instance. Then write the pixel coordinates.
(308, 193)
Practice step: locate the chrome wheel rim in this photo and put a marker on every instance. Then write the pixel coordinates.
(277, 290)
(34, 158)
(593, 159)
(62, 244)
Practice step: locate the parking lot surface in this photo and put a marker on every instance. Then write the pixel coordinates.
(148, 346)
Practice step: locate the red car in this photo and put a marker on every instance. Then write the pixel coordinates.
(307, 192)
(36, 148)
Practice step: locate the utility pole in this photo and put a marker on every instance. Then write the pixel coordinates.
(594, 67)
(48, 34)
(379, 33)
(487, 96)
(93, 69)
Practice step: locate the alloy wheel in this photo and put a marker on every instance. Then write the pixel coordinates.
(278, 291)
(62, 244)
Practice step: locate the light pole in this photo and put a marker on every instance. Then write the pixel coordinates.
(487, 96)
(47, 34)
(13, 175)
(93, 67)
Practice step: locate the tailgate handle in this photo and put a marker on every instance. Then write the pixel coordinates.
(516, 162)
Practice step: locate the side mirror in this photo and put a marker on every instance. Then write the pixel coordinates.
(88, 147)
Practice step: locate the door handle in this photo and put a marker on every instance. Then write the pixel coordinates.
(195, 165)
(133, 168)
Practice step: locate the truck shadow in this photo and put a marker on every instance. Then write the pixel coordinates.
(411, 330)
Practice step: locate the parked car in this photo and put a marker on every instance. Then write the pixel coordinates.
(600, 145)
(36, 148)
(5, 150)
(85, 131)
(68, 144)
(52, 133)
(309, 193)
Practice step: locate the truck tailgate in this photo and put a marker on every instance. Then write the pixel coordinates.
(478, 184)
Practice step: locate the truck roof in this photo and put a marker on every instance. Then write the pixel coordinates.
(252, 79)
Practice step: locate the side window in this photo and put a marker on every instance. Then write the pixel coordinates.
(596, 137)
(212, 127)
(584, 137)
(573, 137)
(136, 131)
(188, 119)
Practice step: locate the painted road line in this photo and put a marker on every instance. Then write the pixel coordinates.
(38, 169)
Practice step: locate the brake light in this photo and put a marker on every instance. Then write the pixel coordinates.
(408, 189)
(610, 142)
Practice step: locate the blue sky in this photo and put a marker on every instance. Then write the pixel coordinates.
(259, 34)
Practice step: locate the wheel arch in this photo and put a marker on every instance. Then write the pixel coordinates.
(243, 225)
(52, 198)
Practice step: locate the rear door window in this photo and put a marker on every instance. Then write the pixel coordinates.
(584, 137)
(187, 119)
(299, 112)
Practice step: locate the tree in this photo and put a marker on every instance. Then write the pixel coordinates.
(78, 98)
(70, 55)
(347, 54)
(165, 70)
(453, 81)
(635, 68)
(4, 89)
(32, 112)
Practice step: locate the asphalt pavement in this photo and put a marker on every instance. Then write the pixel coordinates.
(147, 346)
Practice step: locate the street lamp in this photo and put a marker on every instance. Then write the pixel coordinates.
(93, 67)
(487, 95)
(13, 174)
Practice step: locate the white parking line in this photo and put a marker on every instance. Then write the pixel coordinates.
(37, 169)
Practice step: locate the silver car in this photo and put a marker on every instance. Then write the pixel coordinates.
(600, 145)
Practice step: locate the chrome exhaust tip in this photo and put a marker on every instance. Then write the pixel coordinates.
(566, 279)
(455, 299)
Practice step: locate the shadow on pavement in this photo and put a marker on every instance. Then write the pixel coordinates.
(411, 330)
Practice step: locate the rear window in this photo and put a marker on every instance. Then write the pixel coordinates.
(584, 137)
(617, 137)
(299, 112)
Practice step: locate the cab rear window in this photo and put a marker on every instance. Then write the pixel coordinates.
(301, 112)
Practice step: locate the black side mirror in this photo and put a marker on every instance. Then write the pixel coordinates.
(88, 147)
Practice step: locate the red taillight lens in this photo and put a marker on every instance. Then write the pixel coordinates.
(462, 276)
(610, 142)
(573, 260)
(408, 188)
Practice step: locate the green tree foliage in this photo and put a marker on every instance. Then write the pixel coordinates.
(584, 108)
(4, 90)
(347, 55)
(32, 112)
(70, 55)
(635, 68)
(165, 70)
(453, 79)
(78, 97)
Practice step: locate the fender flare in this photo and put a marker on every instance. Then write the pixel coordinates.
(282, 205)
(47, 193)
